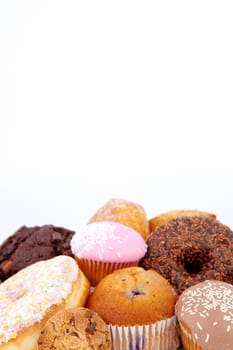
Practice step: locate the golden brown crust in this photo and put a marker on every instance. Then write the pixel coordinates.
(133, 296)
(124, 212)
(172, 214)
(77, 328)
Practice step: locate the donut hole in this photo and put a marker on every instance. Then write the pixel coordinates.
(194, 260)
(193, 267)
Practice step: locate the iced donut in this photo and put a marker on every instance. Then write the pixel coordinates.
(30, 297)
(189, 250)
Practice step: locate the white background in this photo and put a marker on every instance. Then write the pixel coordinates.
(114, 99)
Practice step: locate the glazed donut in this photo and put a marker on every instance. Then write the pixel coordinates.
(189, 250)
(30, 297)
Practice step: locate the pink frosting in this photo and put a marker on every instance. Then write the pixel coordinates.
(108, 242)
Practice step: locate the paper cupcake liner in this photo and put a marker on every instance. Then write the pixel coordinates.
(188, 341)
(95, 271)
(161, 335)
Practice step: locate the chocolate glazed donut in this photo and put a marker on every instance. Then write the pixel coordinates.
(189, 250)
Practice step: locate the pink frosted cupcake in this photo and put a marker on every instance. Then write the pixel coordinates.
(102, 247)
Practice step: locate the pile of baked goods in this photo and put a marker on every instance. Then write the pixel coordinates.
(119, 282)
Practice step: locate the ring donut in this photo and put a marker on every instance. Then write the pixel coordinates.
(30, 297)
(189, 250)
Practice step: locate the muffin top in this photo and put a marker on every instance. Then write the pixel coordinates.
(133, 296)
(31, 244)
(173, 214)
(205, 310)
(108, 242)
(125, 212)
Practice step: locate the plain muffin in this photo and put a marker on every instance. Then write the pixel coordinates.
(139, 307)
(125, 212)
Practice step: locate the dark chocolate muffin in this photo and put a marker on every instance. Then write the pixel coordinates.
(30, 244)
(189, 250)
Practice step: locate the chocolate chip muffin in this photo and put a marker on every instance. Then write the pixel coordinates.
(30, 244)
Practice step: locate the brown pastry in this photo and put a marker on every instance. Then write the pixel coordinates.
(139, 307)
(172, 214)
(78, 329)
(31, 244)
(189, 250)
(124, 212)
(132, 296)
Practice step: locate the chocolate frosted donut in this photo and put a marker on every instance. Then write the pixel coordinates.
(31, 244)
(189, 250)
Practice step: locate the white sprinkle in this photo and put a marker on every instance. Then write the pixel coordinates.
(199, 326)
(109, 247)
(207, 337)
(100, 255)
(195, 335)
(118, 254)
(215, 323)
(56, 277)
(228, 328)
(227, 318)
